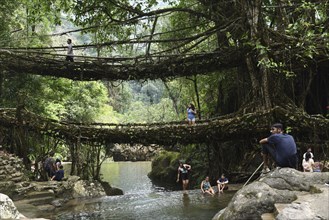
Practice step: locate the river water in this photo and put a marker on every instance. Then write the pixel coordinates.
(141, 199)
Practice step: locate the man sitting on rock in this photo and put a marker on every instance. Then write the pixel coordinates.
(281, 147)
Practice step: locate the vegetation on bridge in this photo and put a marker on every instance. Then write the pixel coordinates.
(237, 58)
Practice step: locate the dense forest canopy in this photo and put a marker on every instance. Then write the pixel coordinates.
(282, 48)
(275, 54)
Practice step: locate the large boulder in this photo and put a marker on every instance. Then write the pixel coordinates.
(111, 191)
(278, 186)
(83, 188)
(7, 208)
(135, 152)
(164, 168)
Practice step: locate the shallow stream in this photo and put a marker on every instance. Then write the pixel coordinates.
(141, 199)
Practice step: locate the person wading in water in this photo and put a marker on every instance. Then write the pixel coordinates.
(183, 173)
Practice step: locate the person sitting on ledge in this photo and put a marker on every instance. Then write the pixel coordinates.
(281, 147)
(222, 183)
(206, 187)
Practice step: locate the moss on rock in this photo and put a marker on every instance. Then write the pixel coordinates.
(164, 168)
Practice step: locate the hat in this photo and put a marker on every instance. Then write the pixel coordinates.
(277, 125)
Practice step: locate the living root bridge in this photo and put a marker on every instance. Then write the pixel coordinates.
(129, 68)
(231, 127)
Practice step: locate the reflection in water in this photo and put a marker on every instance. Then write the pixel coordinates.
(131, 177)
(186, 200)
(141, 200)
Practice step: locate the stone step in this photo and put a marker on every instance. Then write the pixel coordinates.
(41, 194)
(39, 201)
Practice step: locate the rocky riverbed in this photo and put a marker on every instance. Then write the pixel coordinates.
(281, 194)
(41, 196)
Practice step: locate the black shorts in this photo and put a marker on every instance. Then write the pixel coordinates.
(69, 58)
(185, 176)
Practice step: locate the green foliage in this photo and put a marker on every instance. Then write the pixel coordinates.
(164, 167)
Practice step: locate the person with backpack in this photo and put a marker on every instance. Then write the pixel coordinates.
(49, 165)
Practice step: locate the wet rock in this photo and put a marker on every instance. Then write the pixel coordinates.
(111, 191)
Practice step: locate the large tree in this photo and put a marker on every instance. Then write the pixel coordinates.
(281, 45)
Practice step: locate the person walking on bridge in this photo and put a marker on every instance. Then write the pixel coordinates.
(183, 174)
(69, 56)
(191, 113)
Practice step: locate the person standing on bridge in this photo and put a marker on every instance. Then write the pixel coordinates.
(69, 56)
(191, 113)
(183, 173)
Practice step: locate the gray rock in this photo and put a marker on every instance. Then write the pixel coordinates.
(58, 202)
(254, 200)
(279, 186)
(17, 179)
(3, 177)
(73, 178)
(297, 211)
(84, 188)
(7, 208)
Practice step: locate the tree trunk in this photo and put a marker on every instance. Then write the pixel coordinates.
(172, 97)
(259, 73)
(197, 96)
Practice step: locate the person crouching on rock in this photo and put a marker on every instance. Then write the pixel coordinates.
(59, 175)
(281, 147)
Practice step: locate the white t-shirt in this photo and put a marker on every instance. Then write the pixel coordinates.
(69, 50)
(308, 165)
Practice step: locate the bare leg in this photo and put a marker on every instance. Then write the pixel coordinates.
(265, 160)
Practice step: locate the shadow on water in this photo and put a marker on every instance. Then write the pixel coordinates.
(142, 200)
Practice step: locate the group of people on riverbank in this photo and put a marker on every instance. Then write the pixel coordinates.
(206, 188)
(279, 147)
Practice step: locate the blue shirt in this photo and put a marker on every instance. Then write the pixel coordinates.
(222, 180)
(285, 146)
(190, 113)
(59, 175)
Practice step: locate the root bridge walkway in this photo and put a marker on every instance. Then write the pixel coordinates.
(240, 127)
